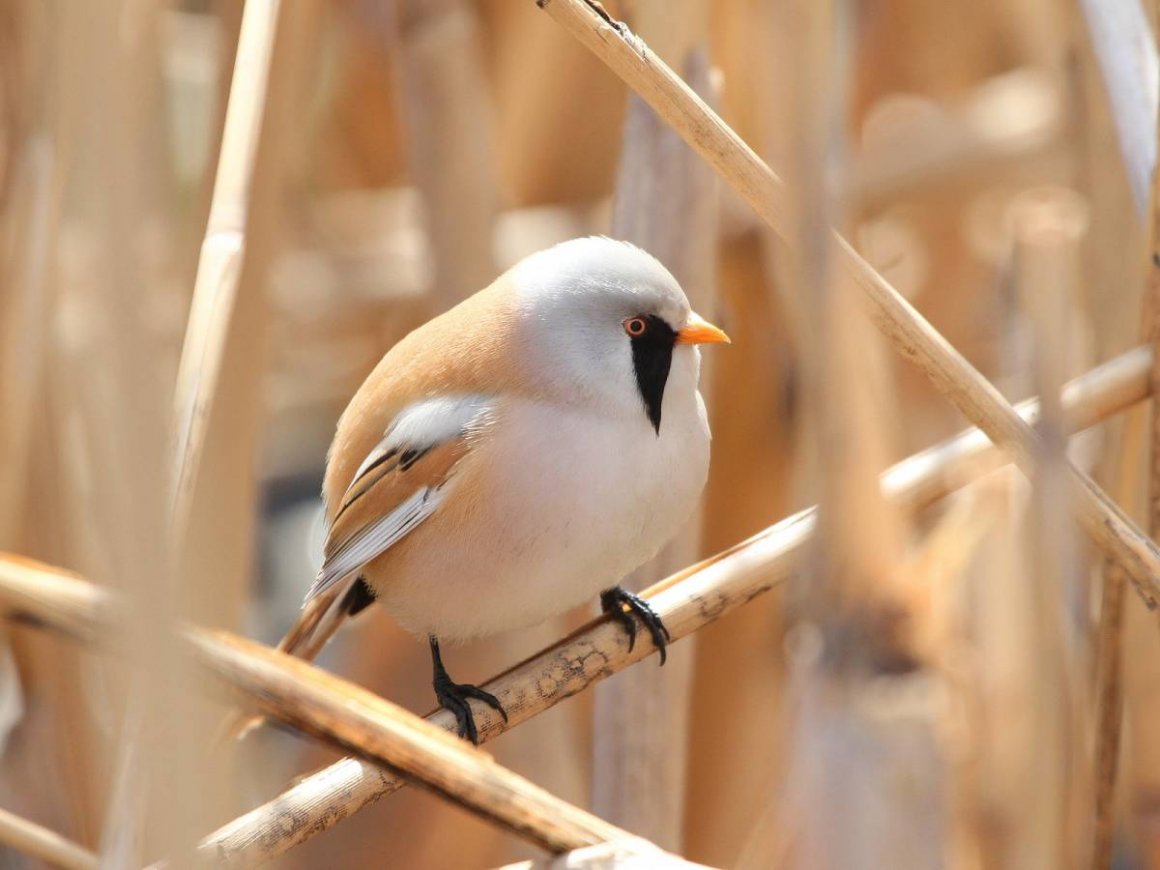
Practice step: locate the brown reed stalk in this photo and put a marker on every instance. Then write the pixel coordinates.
(858, 610)
(223, 250)
(350, 717)
(39, 842)
(212, 517)
(1110, 639)
(910, 334)
(1109, 676)
(1049, 226)
(665, 201)
(24, 312)
(1152, 329)
(37, 139)
(445, 104)
(293, 691)
(110, 404)
(1118, 35)
(686, 600)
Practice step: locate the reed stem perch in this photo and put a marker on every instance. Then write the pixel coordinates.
(343, 714)
(330, 708)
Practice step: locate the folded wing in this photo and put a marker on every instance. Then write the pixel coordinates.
(401, 482)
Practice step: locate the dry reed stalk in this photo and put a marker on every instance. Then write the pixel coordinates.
(24, 314)
(32, 839)
(1130, 115)
(1109, 680)
(853, 740)
(216, 540)
(436, 46)
(909, 333)
(996, 681)
(1109, 683)
(109, 401)
(665, 201)
(1049, 226)
(352, 718)
(295, 692)
(223, 250)
(730, 579)
(34, 160)
(736, 737)
(1122, 43)
(733, 761)
(1152, 326)
(946, 563)
(61, 729)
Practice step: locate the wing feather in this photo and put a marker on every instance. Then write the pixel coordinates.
(374, 539)
(400, 483)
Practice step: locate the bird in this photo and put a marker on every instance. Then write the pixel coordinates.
(515, 456)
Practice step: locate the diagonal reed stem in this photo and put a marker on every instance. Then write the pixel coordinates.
(49, 846)
(336, 711)
(350, 717)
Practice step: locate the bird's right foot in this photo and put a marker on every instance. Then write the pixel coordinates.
(617, 599)
(454, 696)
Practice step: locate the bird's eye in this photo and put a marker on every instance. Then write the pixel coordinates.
(636, 326)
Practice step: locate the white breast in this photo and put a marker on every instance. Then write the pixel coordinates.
(587, 497)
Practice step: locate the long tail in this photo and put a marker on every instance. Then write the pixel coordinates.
(316, 624)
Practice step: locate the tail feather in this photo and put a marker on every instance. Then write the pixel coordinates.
(316, 624)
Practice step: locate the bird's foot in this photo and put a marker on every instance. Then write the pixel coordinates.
(615, 600)
(455, 696)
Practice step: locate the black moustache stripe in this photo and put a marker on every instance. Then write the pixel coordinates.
(652, 356)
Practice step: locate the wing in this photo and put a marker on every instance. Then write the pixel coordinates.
(400, 483)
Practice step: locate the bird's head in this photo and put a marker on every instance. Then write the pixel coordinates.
(608, 322)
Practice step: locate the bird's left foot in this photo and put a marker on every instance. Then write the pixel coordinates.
(615, 600)
(454, 696)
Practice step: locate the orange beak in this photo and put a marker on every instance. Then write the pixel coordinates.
(701, 331)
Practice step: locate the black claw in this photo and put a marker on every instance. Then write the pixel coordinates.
(454, 696)
(613, 601)
(359, 597)
(464, 722)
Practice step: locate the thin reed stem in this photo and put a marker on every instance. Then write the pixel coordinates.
(219, 267)
(1110, 639)
(39, 842)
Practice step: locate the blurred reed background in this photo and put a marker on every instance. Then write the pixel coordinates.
(951, 672)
